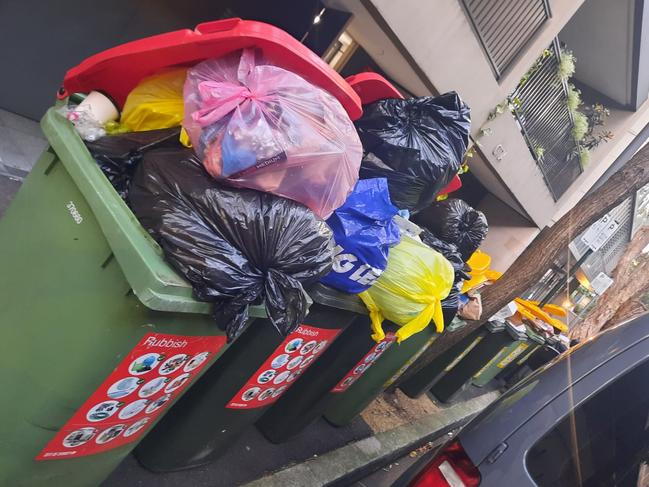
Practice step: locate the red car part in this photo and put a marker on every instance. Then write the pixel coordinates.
(450, 468)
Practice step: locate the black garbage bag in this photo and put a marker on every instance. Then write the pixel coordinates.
(119, 155)
(417, 144)
(236, 246)
(451, 303)
(448, 250)
(454, 221)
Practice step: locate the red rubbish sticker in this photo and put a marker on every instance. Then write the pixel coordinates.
(141, 387)
(365, 363)
(294, 355)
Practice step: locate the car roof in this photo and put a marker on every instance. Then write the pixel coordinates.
(514, 408)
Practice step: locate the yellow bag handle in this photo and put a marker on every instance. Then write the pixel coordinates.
(432, 312)
(376, 318)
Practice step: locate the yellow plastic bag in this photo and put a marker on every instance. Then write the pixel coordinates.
(156, 102)
(410, 290)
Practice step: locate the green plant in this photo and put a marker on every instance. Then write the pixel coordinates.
(566, 65)
(573, 100)
(498, 109)
(535, 67)
(596, 116)
(580, 126)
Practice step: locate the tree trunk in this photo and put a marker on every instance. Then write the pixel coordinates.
(630, 279)
(537, 258)
(631, 309)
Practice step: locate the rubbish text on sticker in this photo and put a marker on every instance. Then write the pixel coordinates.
(164, 342)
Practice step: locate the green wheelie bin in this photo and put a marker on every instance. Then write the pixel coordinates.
(536, 360)
(536, 342)
(100, 335)
(520, 343)
(428, 376)
(356, 391)
(253, 374)
(353, 351)
(495, 340)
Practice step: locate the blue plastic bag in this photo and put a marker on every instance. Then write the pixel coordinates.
(364, 232)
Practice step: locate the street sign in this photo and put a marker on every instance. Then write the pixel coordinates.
(599, 233)
(601, 283)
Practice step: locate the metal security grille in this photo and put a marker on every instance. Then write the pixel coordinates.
(504, 27)
(539, 105)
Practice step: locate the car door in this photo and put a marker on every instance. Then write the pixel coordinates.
(595, 433)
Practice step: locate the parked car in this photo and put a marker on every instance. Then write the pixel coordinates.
(582, 420)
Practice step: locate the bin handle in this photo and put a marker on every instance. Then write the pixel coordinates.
(217, 26)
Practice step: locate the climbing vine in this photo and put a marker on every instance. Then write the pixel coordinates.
(586, 119)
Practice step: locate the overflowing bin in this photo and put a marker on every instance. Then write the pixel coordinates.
(102, 335)
(253, 374)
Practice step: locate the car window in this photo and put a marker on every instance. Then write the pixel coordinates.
(603, 442)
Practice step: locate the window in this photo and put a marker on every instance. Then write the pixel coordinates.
(504, 27)
(604, 442)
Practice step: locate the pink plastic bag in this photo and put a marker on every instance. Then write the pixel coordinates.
(259, 126)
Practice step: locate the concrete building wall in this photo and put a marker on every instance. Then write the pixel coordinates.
(440, 39)
(601, 40)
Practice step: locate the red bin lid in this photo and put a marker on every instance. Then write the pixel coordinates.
(118, 70)
(372, 87)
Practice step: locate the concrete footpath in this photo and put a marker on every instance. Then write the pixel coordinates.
(356, 460)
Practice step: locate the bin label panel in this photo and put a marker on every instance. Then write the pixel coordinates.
(128, 402)
(292, 358)
(464, 353)
(365, 363)
(513, 355)
(495, 359)
(409, 362)
(524, 358)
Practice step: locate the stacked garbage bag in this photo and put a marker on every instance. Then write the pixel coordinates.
(417, 144)
(259, 126)
(233, 164)
(364, 231)
(456, 222)
(236, 196)
(410, 291)
(451, 303)
(236, 246)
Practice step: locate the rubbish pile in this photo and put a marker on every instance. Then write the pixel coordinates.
(305, 212)
(231, 165)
